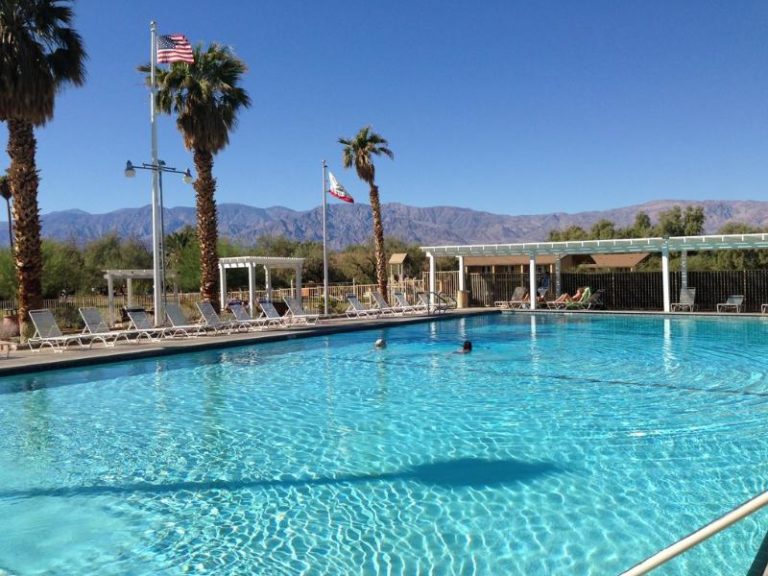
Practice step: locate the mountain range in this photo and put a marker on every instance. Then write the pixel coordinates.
(351, 223)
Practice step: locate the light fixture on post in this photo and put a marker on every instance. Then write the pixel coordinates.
(158, 229)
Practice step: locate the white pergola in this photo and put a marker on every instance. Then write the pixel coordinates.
(129, 276)
(251, 262)
(682, 244)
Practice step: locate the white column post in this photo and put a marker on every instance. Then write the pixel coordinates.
(558, 279)
(462, 282)
(432, 280)
(532, 282)
(684, 269)
(665, 275)
(111, 298)
(129, 289)
(268, 283)
(251, 288)
(223, 284)
(298, 282)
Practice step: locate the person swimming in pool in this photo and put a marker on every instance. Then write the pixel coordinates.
(466, 348)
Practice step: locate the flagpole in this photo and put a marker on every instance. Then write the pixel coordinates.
(325, 250)
(157, 259)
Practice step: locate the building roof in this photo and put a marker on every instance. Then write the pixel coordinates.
(506, 260)
(617, 260)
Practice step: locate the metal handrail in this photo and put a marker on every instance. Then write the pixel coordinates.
(665, 555)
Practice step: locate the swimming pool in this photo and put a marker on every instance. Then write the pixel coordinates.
(563, 444)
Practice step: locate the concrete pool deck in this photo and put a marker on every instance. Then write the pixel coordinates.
(24, 360)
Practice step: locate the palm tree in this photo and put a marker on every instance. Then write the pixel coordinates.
(39, 53)
(357, 152)
(5, 192)
(206, 98)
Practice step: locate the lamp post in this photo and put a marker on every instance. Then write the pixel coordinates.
(158, 260)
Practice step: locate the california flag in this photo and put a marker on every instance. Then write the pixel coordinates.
(338, 190)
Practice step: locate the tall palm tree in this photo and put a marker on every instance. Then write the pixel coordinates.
(206, 97)
(5, 192)
(358, 152)
(39, 53)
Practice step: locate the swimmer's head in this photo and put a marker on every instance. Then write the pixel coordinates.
(467, 347)
(380, 343)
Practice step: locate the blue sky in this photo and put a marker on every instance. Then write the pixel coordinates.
(505, 106)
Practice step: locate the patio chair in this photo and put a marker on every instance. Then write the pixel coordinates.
(179, 324)
(212, 321)
(438, 304)
(583, 302)
(687, 301)
(356, 309)
(139, 322)
(241, 315)
(96, 329)
(382, 306)
(763, 308)
(296, 313)
(270, 315)
(47, 333)
(732, 304)
(421, 305)
(402, 303)
(517, 300)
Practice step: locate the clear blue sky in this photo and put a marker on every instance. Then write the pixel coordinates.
(507, 106)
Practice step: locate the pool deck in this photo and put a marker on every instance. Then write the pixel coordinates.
(24, 360)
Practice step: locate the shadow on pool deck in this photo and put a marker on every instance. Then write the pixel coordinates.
(459, 473)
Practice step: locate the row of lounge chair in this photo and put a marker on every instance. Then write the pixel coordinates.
(140, 325)
(380, 307)
(586, 300)
(687, 303)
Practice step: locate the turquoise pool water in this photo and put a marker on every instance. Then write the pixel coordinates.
(563, 444)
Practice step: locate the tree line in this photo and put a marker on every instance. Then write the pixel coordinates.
(674, 222)
(69, 269)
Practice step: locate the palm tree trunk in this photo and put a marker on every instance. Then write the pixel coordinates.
(207, 226)
(27, 250)
(378, 241)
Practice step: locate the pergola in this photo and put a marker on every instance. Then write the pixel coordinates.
(251, 262)
(129, 276)
(532, 250)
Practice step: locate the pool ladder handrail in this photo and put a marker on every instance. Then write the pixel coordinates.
(697, 537)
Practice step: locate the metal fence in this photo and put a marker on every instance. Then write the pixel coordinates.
(625, 290)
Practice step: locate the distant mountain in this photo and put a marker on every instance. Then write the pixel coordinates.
(351, 223)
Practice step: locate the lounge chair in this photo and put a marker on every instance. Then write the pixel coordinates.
(582, 303)
(96, 329)
(356, 309)
(296, 313)
(421, 304)
(47, 333)
(687, 301)
(140, 323)
(403, 304)
(179, 324)
(6, 347)
(562, 301)
(517, 301)
(270, 315)
(437, 304)
(242, 316)
(382, 306)
(732, 304)
(212, 321)
(763, 308)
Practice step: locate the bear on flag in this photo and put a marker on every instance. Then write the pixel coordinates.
(338, 190)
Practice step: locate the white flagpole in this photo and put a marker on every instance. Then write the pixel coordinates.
(157, 257)
(325, 251)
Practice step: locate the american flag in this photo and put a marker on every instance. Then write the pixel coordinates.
(174, 48)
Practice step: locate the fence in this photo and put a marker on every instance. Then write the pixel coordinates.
(624, 290)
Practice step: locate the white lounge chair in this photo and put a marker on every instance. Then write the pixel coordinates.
(96, 329)
(241, 315)
(212, 321)
(732, 304)
(47, 333)
(142, 325)
(403, 304)
(296, 313)
(356, 308)
(687, 301)
(382, 306)
(270, 315)
(434, 305)
(179, 324)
